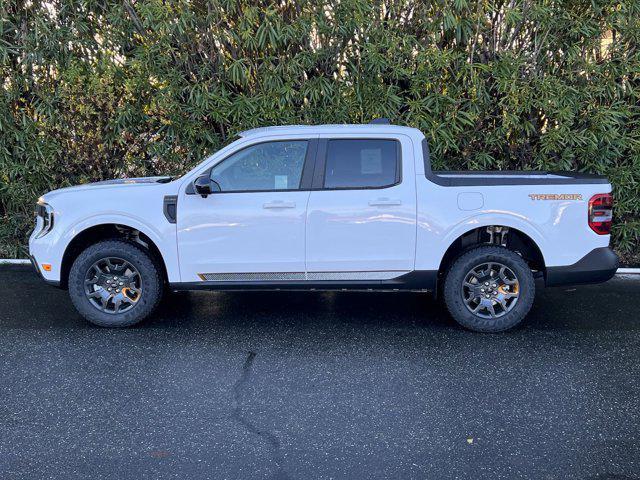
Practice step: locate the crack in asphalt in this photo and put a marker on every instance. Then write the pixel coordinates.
(236, 414)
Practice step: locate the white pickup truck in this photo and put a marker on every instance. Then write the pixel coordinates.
(330, 207)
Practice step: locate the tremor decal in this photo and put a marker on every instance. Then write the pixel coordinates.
(555, 196)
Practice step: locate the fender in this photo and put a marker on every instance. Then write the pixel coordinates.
(493, 218)
(165, 241)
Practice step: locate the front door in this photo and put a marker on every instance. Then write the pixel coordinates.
(254, 228)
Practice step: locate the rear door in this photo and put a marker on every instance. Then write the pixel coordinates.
(361, 215)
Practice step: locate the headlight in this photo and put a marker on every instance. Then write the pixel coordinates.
(44, 212)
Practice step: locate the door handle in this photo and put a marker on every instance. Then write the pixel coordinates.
(385, 201)
(279, 204)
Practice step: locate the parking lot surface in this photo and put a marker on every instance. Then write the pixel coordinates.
(278, 385)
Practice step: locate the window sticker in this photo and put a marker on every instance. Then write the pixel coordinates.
(281, 182)
(371, 160)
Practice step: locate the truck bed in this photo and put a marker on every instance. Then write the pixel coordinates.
(489, 178)
(457, 178)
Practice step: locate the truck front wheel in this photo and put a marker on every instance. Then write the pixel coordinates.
(115, 283)
(489, 289)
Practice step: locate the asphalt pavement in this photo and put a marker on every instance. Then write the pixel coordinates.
(280, 385)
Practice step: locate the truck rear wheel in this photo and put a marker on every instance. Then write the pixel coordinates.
(489, 289)
(115, 283)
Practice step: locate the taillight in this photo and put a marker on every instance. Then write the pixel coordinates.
(600, 213)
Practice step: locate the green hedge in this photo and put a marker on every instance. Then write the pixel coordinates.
(95, 89)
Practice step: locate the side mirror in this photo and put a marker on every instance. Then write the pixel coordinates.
(202, 185)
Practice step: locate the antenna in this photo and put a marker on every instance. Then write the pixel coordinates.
(380, 121)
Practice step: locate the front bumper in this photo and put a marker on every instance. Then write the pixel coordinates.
(34, 263)
(597, 266)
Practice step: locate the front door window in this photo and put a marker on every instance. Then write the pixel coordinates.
(272, 166)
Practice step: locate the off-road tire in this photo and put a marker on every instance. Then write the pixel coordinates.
(453, 290)
(137, 256)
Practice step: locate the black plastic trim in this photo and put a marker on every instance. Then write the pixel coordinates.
(170, 208)
(598, 266)
(570, 178)
(309, 164)
(320, 165)
(424, 280)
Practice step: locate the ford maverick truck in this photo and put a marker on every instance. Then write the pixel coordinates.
(329, 207)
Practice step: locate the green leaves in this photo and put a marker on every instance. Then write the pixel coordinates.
(104, 88)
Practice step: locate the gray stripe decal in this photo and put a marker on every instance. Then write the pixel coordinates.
(384, 275)
(299, 276)
(243, 277)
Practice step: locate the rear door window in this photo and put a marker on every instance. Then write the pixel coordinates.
(362, 163)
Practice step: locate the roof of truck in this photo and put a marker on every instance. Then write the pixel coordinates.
(322, 129)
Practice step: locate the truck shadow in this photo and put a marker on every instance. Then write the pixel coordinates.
(610, 306)
(606, 307)
(339, 308)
